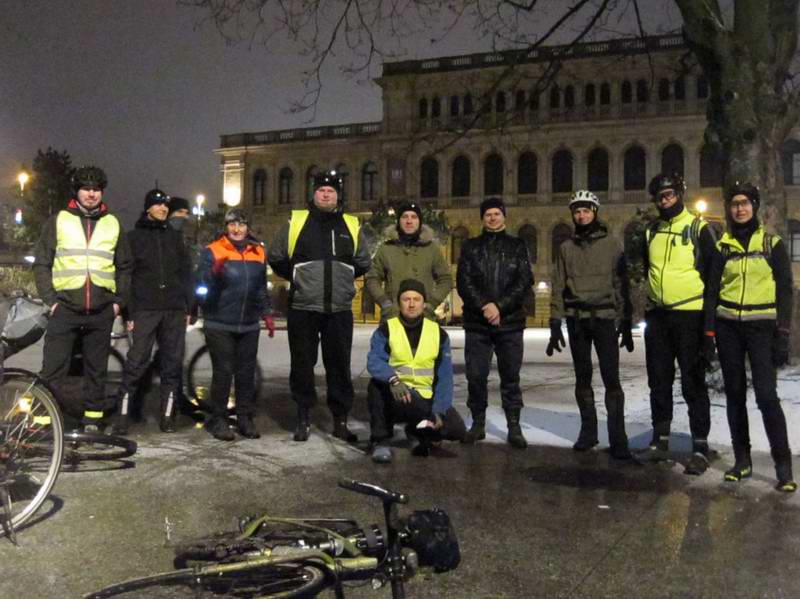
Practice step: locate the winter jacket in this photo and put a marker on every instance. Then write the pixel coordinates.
(494, 268)
(378, 363)
(590, 278)
(396, 261)
(161, 278)
(235, 283)
(90, 297)
(324, 263)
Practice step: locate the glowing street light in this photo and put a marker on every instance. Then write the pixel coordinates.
(701, 206)
(23, 179)
(199, 201)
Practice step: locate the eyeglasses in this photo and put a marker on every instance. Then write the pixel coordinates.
(667, 194)
(736, 204)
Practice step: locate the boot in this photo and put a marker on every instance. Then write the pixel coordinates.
(219, 429)
(515, 437)
(617, 438)
(698, 462)
(476, 432)
(340, 430)
(303, 428)
(122, 421)
(783, 472)
(166, 421)
(742, 467)
(247, 428)
(587, 438)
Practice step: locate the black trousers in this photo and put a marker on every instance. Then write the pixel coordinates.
(334, 331)
(600, 332)
(753, 339)
(168, 329)
(385, 412)
(233, 358)
(94, 330)
(478, 350)
(676, 335)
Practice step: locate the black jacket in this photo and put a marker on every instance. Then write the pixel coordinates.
(161, 278)
(494, 268)
(90, 297)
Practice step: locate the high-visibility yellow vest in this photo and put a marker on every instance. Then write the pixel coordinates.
(673, 280)
(76, 259)
(298, 221)
(415, 370)
(747, 290)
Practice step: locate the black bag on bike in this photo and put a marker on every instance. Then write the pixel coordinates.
(434, 539)
(24, 321)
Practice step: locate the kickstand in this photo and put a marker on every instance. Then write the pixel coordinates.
(8, 525)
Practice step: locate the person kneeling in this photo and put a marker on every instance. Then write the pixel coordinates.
(412, 378)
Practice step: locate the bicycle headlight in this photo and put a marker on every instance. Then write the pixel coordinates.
(201, 291)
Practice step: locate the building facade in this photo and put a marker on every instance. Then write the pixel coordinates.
(532, 128)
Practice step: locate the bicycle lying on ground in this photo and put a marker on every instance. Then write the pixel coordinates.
(299, 557)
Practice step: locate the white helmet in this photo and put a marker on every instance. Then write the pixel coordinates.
(585, 198)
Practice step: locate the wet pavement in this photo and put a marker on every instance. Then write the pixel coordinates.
(543, 522)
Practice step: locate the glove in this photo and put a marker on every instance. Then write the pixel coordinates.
(780, 348)
(400, 391)
(218, 265)
(556, 337)
(269, 323)
(624, 332)
(709, 351)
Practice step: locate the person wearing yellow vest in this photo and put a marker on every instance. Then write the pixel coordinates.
(321, 251)
(412, 378)
(678, 251)
(748, 309)
(82, 269)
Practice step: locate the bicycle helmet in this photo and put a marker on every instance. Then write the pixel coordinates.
(88, 176)
(155, 196)
(664, 181)
(745, 189)
(236, 215)
(584, 199)
(328, 179)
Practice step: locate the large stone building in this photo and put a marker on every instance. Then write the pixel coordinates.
(458, 129)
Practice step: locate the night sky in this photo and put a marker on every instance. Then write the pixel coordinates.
(143, 89)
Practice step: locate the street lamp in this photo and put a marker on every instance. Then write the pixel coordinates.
(23, 179)
(701, 206)
(198, 212)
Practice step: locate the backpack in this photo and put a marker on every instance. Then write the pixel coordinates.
(432, 536)
(24, 321)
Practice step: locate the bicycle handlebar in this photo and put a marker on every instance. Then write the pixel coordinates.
(374, 490)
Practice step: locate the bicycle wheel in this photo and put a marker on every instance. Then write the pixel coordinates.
(79, 447)
(31, 444)
(276, 581)
(198, 381)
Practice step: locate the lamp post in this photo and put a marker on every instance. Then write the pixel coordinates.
(23, 179)
(198, 211)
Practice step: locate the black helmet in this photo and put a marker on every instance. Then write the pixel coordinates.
(663, 181)
(236, 215)
(88, 176)
(328, 179)
(155, 196)
(745, 189)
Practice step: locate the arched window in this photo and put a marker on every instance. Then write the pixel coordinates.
(710, 166)
(597, 170)
(457, 239)
(589, 95)
(642, 91)
(369, 182)
(605, 94)
(561, 174)
(493, 175)
(527, 173)
(436, 107)
(311, 174)
(468, 107)
(663, 90)
(429, 178)
(680, 88)
(534, 99)
(627, 92)
(500, 102)
(454, 105)
(794, 240)
(672, 159)
(634, 168)
(528, 234)
(259, 187)
(460, 178)
(561, 232)
(285, 179)
(555, 97)
(344, 174)
(519, 100)
(702, 87)
(790, 162)
(569, 97)
(423, 108)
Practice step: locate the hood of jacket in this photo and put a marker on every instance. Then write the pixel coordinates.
(74, 208)
(598, 233)
(392, 236)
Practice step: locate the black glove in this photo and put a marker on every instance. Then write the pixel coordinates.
(709, 351)
(400, 391)
(556, 337)
(625, 335)
(780, 348)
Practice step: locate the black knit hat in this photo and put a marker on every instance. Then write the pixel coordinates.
(409, 207)
(411, 285)
(155, 196)
(176, 203)
(493, 203)
(236, 215)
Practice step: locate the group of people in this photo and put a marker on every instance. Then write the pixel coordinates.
(737, 291)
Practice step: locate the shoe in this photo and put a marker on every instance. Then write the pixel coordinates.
(247, 428)
(219, 429)
(660, 443)
(697, 464)
(738, 472)
(421, 449)
(476, 432)
(515, 437)
(621, 453)
(382, 454)
(340, 431)
(303, 428)
(586, 440)
(786, 482)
